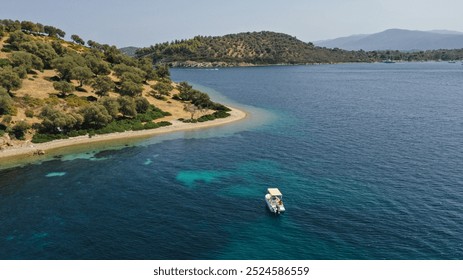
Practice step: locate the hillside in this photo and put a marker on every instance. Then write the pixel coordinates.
(250, 48)
(398, 39)
(130, 51)
(53, 89)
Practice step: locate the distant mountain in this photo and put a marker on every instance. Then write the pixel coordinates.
(398, 39)
(130, 51)
(447, 32)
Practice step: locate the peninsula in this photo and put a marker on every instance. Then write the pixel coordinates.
(270, 48)
(56, 93)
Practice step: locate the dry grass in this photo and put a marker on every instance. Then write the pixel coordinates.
(170, 105)
(2, 43)
(38, 85)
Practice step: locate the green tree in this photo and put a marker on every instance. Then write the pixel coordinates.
(77, 39)
(103, 85)
(27, 60)
(63, 87)
(58, 47)
(31, 27)
(184, 87)
(113, 55)
(121, 69)
(146, 65)
(16, 38)
(56, 121)
(97, 65)
(54, 32)
(95, 45)
(6, 103)
(21, 71)
(9, 79)
(96, 116)
(132, 77)
(64, 65)
(19, 130)
(163, 87)
(130, 88)
(142, 104)
(82, 74)
(111, 104)
(162, 71)
(43, 50)
(11, 25)
(127, 106)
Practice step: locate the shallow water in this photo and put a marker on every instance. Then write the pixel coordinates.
(368, 157)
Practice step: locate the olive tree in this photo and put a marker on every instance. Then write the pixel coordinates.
(56, 121)
(6, 103)
(128, 106)
(77, 39)
(102, 85)
(9, 79)
(95, 116)
(19, 130)
(82, 74)
(63, 87)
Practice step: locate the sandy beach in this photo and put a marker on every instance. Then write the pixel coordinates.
(29, 151)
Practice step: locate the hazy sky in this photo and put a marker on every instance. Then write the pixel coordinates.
(146, 22)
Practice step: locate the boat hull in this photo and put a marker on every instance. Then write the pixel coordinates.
(273, 205)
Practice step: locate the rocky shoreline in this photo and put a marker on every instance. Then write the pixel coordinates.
(206, 64)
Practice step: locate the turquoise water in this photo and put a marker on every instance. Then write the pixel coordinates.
(368, 157)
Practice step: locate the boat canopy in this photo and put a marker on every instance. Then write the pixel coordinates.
(274, 192)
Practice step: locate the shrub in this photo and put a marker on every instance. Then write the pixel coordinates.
(138, 126)
(19, 130)
(162, 88)
(151, 125)
(42, 138)
(30, 101)
(75, 101)
(7, 106)
(95, 116)
(63, 87)
(7, 119)
(142, 104)
(131, 88)
(52, 100)
(164, 123)
(4, 62)
(29, 113)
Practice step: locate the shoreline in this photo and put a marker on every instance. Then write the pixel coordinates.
(27, 152)
(250, 65)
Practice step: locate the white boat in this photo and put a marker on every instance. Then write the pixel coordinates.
(274, 200)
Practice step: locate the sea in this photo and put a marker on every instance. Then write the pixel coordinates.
(369, 158)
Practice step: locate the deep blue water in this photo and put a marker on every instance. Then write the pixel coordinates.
(369, 158)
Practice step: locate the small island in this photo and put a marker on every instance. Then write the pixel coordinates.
(55, 93)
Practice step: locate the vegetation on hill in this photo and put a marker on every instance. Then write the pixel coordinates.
(130, 51)
(263, 48)
(252, 47)
(52, 89)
